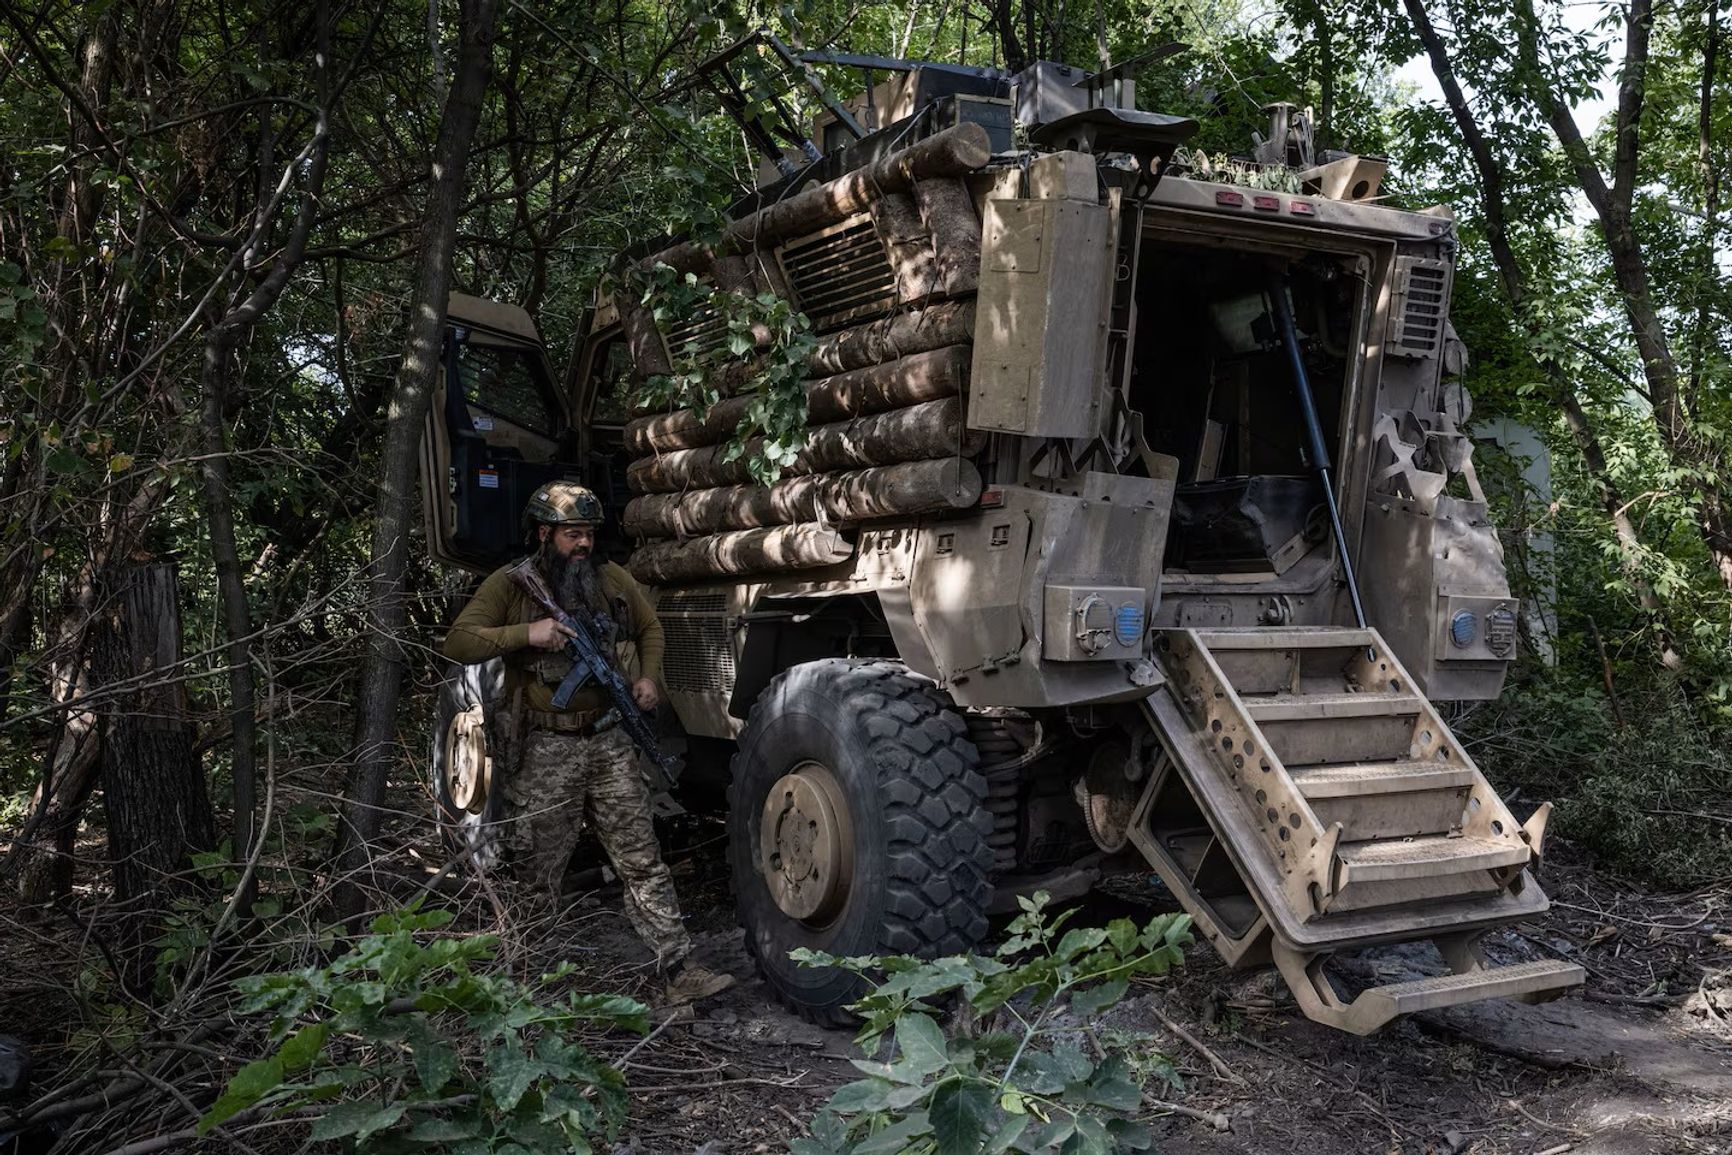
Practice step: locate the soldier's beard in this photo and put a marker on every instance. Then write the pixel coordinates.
(576, 581)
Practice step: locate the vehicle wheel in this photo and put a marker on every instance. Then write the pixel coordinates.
(465, 748)
(857, 825)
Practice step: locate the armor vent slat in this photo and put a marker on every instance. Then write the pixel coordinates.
(1422, 307)
(840, 275)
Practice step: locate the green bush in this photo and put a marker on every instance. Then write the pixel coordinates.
(1023, 1069)
(400, 1045)
(1648, 800)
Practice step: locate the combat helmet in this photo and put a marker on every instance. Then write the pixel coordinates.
(562, 503)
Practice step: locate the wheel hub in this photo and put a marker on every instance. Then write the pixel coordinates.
(807, 843)
(468, 769)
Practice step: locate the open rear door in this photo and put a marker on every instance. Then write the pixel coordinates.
(496, 430)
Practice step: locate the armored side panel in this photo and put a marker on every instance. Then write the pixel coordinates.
(1044, 601)
(1444, 601)
(1040, 326)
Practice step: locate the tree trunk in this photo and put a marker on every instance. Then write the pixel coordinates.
(1494, 207)
(224, 339)
(394, 512)
(1684, 443)
(1706, 277)
(154, 796)
(41, 854)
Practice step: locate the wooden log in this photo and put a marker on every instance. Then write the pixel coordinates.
(907, 381)
(649, 353)
(900, 490)
(778, 548)
(895, 336)
(952, 153)
(918, 432)
(907, 245)
(947, 210)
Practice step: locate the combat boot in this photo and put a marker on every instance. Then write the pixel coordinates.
(689, 982)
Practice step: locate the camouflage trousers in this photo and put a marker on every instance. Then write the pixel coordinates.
(564, 781)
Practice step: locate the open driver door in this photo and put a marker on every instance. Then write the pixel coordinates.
(497, 429)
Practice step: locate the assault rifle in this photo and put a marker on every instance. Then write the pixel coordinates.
(592, 659)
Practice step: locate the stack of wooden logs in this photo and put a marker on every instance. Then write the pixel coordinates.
(885, 398)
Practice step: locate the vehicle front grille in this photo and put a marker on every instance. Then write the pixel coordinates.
(699, 657)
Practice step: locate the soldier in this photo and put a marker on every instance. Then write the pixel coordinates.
(566, 772)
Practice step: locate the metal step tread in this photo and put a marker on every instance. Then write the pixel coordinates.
(1298, 707)
(1489, 983)
(1357, 779)
(1382, 859)
(1284, 638)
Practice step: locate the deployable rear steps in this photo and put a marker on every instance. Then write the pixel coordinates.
(1312, 800)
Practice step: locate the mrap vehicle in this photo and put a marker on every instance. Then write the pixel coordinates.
(1135, 528)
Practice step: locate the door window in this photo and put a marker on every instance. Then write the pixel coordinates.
(506, 381)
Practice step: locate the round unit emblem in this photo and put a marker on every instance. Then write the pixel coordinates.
(1500, 631)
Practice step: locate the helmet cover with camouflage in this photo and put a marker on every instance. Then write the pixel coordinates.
(562, 503)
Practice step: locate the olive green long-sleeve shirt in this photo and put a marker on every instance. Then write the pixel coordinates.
(495, 624)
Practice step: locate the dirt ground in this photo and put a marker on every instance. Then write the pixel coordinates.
(1639, 1063)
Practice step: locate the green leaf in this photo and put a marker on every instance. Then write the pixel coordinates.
(1096, 999)
(357, 1119)
(250, 1084)
(959, 1113)
(1116, 1092)
(65, 460)
(443, 1130)
(1129, 1135)
(922, 1044)
(435, 1064)
(1008, 1133)
(894, 1139)
(1077, 941)
(1091, 1138)
(864, 1095)
(1071, 1060)
(301, 1048)
(512, 1070)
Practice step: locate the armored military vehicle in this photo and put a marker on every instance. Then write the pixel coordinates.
(1135, 530)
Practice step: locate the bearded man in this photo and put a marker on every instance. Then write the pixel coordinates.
(566, 772)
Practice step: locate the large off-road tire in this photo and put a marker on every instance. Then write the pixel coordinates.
(857, 825)
(466, 728)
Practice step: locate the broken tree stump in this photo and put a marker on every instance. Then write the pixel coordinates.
(158, 809)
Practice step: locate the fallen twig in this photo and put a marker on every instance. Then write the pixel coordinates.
(1549, 1126)
(1222, 1070)
(1214, 1119)
(625, 1059)
(793, 1084)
